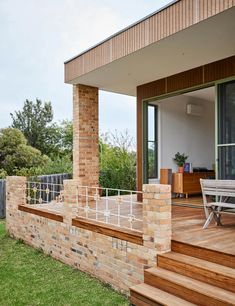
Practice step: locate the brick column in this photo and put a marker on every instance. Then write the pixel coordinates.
(15, 195)
(157, 217)
(86, 135)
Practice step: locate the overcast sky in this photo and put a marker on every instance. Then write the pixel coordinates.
(37, 36)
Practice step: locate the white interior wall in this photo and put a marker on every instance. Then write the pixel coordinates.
(180, 132)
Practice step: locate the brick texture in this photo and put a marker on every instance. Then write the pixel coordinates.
(86, 135)
(157, 229)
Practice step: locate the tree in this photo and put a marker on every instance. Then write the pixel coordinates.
(65, 130)
(117, 161)
(35, 122)
(16, 155)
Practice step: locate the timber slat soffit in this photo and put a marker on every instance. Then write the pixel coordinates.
(109, 230)
(41, 213)
(175, 17)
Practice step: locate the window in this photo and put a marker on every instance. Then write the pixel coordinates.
(150, 166)
(226, 131)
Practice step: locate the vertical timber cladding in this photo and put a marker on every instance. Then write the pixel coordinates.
(171, 19)
(85, 135)
(199, 76)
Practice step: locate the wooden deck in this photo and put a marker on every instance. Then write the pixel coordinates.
(187, 221)
(187, 227)
(192, 201)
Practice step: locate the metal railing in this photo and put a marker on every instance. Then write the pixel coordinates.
(110, 206)
(105, 205)
(43, 193)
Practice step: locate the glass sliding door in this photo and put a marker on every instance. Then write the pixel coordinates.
(226, 131)
(150, 141)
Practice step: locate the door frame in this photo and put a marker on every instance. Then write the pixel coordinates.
(217, 145)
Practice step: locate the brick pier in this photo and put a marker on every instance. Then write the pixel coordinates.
(85, 135)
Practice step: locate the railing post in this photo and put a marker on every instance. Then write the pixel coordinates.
(157, 217)
(70, 200)
(15, 195)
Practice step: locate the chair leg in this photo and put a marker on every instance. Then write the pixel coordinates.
(217, 217)
(206, 210)
(208, 220)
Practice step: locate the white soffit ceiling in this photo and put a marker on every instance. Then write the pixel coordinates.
(205, 42)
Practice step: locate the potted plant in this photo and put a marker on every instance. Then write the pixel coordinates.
(180, 160)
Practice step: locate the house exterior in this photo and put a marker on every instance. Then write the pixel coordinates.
(179, 63)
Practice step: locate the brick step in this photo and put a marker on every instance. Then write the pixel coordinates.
(220, 258)
(187, 288)
(143, 295)
(202, 270)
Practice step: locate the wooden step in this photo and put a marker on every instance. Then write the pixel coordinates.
(208, 272)
(221, 258)
(143, 295)
(187, 288)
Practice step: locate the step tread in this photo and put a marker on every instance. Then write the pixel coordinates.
(197, 251)
(201, 263)
(159, 296)
(194, 285)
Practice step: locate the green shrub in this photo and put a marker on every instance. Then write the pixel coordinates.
(15, 154)
(117, 162)
(58, 165)
(3, 173)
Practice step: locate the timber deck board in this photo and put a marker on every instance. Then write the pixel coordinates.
(40, 212)
(202, 270)
(187, 228)
(188, 288)
(143, 295)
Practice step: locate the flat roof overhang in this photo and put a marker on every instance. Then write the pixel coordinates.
(207, 41)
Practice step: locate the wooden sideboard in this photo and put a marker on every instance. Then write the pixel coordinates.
(189, 183)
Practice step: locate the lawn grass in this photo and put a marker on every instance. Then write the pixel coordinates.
(28, 277)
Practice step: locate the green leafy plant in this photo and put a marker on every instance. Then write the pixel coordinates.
(3, 173)
(16, 155)
(180, 159)
(117, 161)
